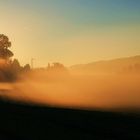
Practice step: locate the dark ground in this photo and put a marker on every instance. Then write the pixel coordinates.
(26, 122)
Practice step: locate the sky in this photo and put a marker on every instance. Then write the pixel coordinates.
(71, 31)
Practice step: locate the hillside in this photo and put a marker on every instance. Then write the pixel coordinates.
(120, 65)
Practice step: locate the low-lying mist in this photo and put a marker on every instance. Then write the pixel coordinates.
(101, 91)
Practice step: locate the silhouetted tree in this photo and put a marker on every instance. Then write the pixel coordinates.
(5, 53)
(9, 70)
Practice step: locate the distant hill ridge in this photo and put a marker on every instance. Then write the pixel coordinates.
(126, 64)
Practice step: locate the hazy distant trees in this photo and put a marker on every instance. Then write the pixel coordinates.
(132, 69)
(15, 65)
(57, 68)
(26, 68)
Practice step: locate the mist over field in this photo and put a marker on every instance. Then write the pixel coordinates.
(104, 91)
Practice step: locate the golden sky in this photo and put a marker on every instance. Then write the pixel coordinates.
(71, 32)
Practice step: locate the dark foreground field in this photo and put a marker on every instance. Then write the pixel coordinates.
(25, 122)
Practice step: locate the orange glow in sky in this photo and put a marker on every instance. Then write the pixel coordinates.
(80, 33)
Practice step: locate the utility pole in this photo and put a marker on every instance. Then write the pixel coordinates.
(32, 63)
